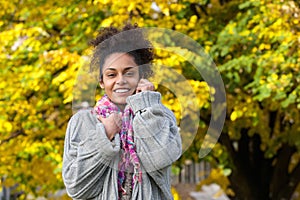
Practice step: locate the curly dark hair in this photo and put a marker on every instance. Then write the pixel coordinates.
(130, 39)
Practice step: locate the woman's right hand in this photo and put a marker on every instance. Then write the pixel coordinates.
(112, 124)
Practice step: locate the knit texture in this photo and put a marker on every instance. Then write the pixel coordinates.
(91, 161)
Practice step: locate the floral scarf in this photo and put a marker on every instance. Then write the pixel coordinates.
(129, 159)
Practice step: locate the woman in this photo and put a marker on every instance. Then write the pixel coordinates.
(124, 147)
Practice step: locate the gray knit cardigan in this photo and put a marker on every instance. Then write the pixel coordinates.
(90, 160)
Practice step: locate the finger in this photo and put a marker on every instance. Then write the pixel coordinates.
(142, 80)
(138, 90)
(150, 86)
(146, 82)
(145, 87)
(100, 118)
(117, 118)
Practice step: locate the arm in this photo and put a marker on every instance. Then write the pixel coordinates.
(88, 154)
(158, 143)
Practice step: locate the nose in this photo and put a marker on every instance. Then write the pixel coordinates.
(121, 80)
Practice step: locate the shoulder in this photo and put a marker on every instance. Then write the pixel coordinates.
(81, 124)
(85, 116)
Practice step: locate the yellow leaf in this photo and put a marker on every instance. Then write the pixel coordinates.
(131, 7)
(233, 116)
(106, 22)
(262, 46)
(274, 76)
(193, 19)
(254, 50)
(267, 46)
(166, 11)
(7, 126)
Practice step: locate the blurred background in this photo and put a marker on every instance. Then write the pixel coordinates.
(255, 45)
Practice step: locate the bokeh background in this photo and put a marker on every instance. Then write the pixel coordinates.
(255, 45)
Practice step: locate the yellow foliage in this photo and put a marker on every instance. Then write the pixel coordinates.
(202, 92)
(43, 46)
(175, 194)
(217, 176)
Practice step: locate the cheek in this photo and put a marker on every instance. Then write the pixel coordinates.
(135, 83)
(106, 85)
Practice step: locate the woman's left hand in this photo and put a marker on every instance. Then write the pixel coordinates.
(144, 85)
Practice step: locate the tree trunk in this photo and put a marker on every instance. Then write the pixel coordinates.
(256, 178)
(284, 183)
(251, 175)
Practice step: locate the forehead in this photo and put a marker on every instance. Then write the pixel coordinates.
(119, 60)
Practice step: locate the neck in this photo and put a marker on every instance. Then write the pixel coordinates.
(121, 106)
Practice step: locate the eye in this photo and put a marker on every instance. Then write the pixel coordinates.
(110, 75)
(129, 73)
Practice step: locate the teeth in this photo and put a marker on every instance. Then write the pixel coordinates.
(121, 90)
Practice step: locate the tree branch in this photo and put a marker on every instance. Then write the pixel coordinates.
(194, 7)
(13, 135)
(272, 121)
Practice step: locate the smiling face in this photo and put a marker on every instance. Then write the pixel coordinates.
(120, 77)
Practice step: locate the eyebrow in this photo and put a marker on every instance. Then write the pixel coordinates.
(114, 69)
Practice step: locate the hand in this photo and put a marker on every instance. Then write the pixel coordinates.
(112, 124)
(144, 85)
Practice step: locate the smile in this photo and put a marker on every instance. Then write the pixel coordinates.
(121, 90)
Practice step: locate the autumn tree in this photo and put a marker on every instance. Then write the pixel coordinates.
(41, 51)
(258, 56)
(255, 45)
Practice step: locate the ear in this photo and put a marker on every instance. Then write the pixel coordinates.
(101, 84)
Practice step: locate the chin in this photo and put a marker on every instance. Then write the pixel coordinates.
(120, 101)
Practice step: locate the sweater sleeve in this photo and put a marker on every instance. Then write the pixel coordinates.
(88, 154)
(158, 142)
